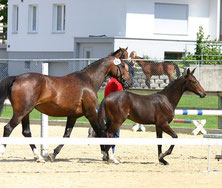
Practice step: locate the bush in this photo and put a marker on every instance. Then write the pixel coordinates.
(206, 51)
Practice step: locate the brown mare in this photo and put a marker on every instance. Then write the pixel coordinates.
(71, 96)
(158, 68)
(155, 109)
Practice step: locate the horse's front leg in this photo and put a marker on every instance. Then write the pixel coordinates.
(167, 129)
(171, 78)
(159, 134)
(147, 81)
(68, 130)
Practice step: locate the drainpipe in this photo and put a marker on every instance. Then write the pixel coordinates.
(218, 29)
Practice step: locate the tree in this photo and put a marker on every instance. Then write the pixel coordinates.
(206, 50)
(4, 11)
(4, 16)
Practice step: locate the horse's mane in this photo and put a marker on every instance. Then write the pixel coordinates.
(91, 65)
(95, 62)
(100, 60)
(114, 53)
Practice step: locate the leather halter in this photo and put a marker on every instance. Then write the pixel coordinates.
(123, 81)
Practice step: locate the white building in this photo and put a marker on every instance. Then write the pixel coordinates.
(61, 28)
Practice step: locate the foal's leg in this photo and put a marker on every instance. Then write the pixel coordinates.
(68, 130)
(27, 133)
(111, 133)
(167, 129)
(100, 132)
(159, 134)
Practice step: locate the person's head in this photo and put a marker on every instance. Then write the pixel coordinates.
(133, 54)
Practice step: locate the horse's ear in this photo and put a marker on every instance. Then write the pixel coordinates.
(188, 71)
(127, 48)
(193, 71)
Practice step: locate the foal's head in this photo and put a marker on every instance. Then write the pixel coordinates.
(192, 84)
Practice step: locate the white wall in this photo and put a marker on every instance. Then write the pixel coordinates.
(125, 18)
(214, 19)
(140, 19)
(83, 18)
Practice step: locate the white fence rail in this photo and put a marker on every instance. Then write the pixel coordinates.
(112, 141)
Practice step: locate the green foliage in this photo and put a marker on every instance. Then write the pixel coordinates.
(4, 11)
(186, 102)
(208, 51)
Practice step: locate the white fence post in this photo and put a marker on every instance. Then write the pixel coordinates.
(44, 118)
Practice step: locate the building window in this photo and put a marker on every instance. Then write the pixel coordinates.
(173, 55)
(59, 12)
(27, 65)
(33, 18)
(171, 18)
(15, 18)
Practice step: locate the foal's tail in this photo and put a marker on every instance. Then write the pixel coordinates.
(177, 70)
(5, 89)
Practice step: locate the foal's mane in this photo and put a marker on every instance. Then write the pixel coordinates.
(170, 84)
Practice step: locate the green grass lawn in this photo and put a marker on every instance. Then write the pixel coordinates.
(185, 102)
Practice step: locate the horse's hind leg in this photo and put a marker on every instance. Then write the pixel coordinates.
(27, 133)
(8, 130)
(68, 130)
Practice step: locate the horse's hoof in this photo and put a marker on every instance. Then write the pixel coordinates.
(105, 158)
(163, 162)
(116, 161)
(40, 160)
(51, 157)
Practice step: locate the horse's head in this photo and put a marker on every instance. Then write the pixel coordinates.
(192, 84)
(120, 71)
(121, 53)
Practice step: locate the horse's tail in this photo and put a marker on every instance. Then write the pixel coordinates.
(177, 70)
(5, 89)
(101, 118)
